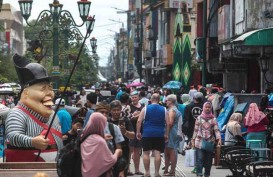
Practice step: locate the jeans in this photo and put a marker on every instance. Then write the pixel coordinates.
(203, 159)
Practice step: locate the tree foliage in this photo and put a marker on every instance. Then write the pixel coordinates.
(7, 70)
(86, 69)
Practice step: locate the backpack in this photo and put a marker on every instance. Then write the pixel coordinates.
(122, 162)
(69, 159)
(111, 144)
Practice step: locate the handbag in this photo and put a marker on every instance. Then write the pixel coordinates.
(206, 145)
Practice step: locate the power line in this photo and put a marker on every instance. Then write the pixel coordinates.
(108, 24)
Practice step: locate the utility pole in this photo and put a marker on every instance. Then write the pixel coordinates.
(204, 67)
(141, 41)
(118, 59)
(128, 12)
(123, 54)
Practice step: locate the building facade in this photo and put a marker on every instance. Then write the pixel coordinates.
(12, 38)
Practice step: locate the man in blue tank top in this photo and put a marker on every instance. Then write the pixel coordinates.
(153, 119)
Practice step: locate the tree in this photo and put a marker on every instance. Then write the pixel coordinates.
(7, 70)
(85, 71)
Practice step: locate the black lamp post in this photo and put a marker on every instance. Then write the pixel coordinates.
(93, 42)
(58, 23)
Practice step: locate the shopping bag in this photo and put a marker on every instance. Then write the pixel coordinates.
(190, 158)
(181, 146)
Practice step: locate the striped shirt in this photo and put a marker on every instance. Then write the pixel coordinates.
(20, 128)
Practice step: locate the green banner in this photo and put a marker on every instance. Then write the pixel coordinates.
(177, 49)
(181, 53)
(177, 60)
(186, 62)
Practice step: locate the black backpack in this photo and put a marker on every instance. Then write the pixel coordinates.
(69, 159)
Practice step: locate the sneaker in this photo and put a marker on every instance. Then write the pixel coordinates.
(194, 170)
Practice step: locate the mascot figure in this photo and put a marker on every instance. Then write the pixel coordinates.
(28, 122)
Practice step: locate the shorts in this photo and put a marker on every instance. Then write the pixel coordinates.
(153, 143)
(135, 143)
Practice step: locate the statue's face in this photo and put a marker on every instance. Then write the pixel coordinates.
(39, 98)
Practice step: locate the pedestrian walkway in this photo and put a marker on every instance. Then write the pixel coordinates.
(181, 170)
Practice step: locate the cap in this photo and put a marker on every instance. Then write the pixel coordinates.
(29, 73)
(58, 100)
(134, 93)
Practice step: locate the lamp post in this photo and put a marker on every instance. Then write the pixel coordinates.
(56, 22)
(93, 42)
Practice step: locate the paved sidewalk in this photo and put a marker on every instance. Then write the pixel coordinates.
(187, 170)
(181, 170)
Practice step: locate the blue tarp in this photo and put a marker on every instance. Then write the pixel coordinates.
(226, 112)
(242, 108)
(225, 97)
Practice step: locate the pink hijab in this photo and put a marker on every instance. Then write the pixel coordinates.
(205, 115)
(254, 115)
(96, 156)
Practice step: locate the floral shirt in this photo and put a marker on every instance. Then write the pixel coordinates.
(207, 129)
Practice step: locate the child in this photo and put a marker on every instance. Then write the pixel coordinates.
(73, 133)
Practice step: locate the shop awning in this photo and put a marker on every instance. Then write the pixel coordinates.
(260, 37)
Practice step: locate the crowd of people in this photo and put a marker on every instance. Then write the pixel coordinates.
(118, 130)
(149, 122)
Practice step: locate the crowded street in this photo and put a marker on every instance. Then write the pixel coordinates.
(142, 88)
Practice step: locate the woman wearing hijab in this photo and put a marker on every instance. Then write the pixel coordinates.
(97, 159)
(233, 129)
(206, 127)
(256, 122)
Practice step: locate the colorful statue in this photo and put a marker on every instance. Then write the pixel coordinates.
(28, 122)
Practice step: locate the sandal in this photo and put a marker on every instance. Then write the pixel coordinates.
(139, 173)
(169, 174)
(130, 174)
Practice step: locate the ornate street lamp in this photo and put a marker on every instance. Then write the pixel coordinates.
(25, 7)
(84, 7)
(90, 22)
(93, 42)
(58, 24)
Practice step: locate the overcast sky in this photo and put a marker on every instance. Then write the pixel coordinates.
(103, 10)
